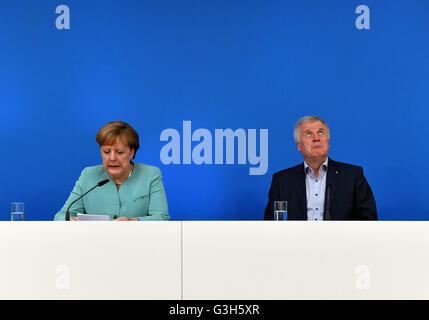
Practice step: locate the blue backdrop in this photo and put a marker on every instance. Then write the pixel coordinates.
(219, 64)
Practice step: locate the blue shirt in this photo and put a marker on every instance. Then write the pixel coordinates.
(315, 191)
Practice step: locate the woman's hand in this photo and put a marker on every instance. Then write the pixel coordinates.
(126, 219)
(74, 219)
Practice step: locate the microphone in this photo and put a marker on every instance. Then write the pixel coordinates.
(101, 183)
(327, 201)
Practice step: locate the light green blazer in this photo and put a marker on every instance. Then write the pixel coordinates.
(140, 196)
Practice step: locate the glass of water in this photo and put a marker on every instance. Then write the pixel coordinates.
(280, 210)
(17, 211)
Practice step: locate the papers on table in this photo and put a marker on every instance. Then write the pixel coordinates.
(93, 217)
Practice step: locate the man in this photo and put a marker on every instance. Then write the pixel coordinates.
(320, 188)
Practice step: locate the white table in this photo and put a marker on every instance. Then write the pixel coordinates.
(214, 260)
(306, 260)
(90, 260)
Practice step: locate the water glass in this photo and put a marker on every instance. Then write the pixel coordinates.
(17, 211)
(280, 210)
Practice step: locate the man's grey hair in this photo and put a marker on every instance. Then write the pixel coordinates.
(304, 120)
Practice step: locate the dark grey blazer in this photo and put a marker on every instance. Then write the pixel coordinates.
(350, 195)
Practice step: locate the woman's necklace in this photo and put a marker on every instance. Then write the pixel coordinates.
(118, 184)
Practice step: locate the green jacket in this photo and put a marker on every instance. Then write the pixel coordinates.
(140, 196)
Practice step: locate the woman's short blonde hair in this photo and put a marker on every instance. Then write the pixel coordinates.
(108, 134)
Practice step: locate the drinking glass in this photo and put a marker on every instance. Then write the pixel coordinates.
(280, 210)
(17, 211)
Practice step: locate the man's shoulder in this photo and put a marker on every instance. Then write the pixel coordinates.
(299, 168)
(343, 166)
(289, 171)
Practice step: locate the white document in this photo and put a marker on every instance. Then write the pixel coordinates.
(93, 217)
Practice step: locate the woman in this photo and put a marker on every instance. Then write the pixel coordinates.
(135, 190)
